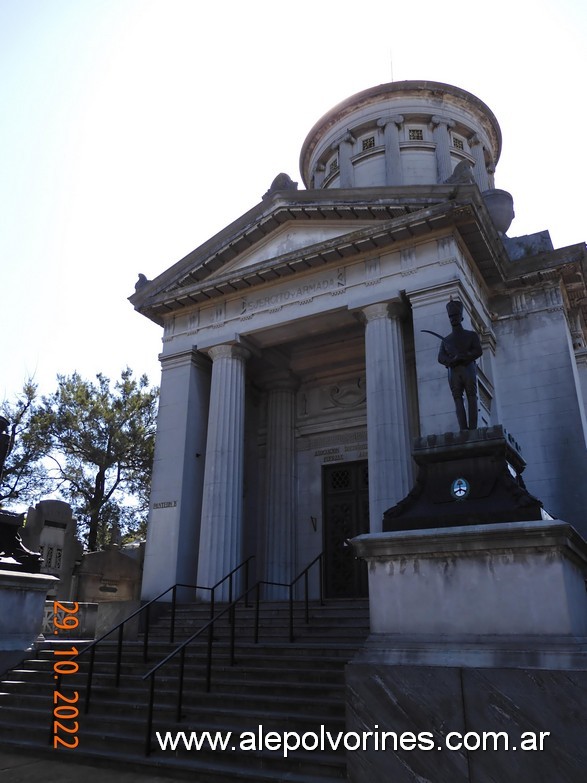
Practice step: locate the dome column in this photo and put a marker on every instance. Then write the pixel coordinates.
(480, 168)
(393, 162)
(344, 147)
(440, 133)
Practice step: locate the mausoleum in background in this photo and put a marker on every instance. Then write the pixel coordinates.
(295, 370)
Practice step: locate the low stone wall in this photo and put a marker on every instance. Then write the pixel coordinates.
(419, 701)
(22, 599)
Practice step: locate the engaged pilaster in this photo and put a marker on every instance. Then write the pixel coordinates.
(178, 473)
(387, 411)
(222, 505)
(280, 512)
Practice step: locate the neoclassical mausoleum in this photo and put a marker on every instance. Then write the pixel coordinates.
(295, 369)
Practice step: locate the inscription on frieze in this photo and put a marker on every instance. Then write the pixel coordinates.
(296, 294)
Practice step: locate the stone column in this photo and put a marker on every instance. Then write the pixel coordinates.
(280, 505)
(345, 150)
(388, 437)
(480, 168)
(393, 163)
(222, 505)
(178, 473)
(440, 133)
(319, 175)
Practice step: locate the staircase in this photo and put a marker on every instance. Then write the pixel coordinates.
(281, 686)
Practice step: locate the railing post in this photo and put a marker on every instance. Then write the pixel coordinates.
(321, 577)
(146, 635)
(119, 655)
(89, 680)
(258, 601)
(291, 621)
(150, 716)
(173, 599)
(232, 634)
(209, 658)
(180, 684)
(247, 582)
(307, 605)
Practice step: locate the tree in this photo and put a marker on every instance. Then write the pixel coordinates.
(101, 449)
(25, 475)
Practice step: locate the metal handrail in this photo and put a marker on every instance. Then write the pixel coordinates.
(146, 609)
(209, 627)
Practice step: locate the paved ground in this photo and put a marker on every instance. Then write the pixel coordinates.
(18, 768)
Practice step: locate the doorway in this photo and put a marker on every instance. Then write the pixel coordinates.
(345, 492)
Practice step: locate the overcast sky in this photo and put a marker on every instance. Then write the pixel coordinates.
(133, 130)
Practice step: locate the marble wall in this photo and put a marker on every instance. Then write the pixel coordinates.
(436, 700)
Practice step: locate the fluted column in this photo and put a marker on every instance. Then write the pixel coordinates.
(393, 163)
(440, 133)
(388, 440)
(480, 168)
(222, 504)
(280, 511)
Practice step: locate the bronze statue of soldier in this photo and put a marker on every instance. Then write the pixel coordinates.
(458, 353)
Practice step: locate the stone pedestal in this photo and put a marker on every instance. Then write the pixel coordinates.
(481, 595)
(474, 629)
(467, 477)
(22, 599)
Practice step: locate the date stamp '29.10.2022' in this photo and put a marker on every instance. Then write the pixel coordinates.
(65, 709)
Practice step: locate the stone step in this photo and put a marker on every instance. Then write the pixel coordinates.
(122, 735)
(180, 768)
(322, 673)
(281, 686)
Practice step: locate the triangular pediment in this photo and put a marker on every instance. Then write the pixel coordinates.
(311, 228)
(289, 238)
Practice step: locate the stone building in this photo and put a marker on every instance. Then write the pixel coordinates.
(295, 372)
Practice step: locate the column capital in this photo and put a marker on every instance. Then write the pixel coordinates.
(397, 119)
(181, 358)
(346, 138)
(436, 120)
(228, 351)
(395, 309)
(474, 140)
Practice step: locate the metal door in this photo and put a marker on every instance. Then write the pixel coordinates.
(346, 515)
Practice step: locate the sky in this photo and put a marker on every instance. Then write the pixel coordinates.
(131, 131)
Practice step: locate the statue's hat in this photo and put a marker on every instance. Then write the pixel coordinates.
(454, 306)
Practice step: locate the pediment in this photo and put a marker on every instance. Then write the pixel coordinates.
(287, 239)
(312, 228)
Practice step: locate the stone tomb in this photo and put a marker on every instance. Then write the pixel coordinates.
(51, 530)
